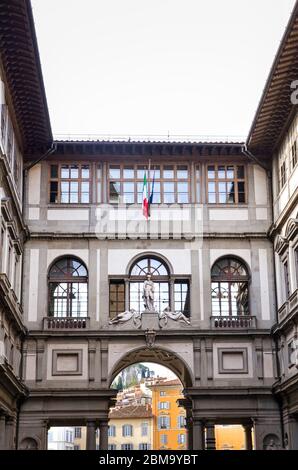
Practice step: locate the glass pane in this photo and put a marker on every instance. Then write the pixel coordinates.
(128, 172)
(114, 172)
(128, 198)
(211, 187)
(221, 172)
(198, 192)
(222, 197)
(211, 172)
(169, 198)
(197, 172)
(222, 187)
(53, 191)
(74, 171)
(241, 197)
(168, 172)
(230, 172)
(64, 187)
(98, 192)
(99, 172)
(155, 171)
(182, 187)
(74, 198)
(85, 187)
(85, 199)
(64, 171)
(182, 172)
(85, 171)
(114, 191)
(74, 186)
(141, 172)
(183, 198)
(54, 171)
(212, 198)
(240, 172)
(169, 187)
(65, 198)
(241, 187)
(128, 187)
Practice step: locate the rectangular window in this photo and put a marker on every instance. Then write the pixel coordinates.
(126, 430)
(166, 183)
(117, 298)
(163, 422)
(181, 422)
(182, 297)
(70, 184)
(112, 431)
(163, 405)
(76, 447)
(181, 438)
(126, 446)
(163, 439)
(112, 447)
(144, 429)
(294, 154)
(162, 393)
(198, 184)
(99, 183)
(226, 184)
(283, 175)
(144, 447)
(287, 280)
(78, 433)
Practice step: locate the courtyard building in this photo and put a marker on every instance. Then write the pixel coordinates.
(207, 286)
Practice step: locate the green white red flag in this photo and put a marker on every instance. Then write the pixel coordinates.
(145, 197)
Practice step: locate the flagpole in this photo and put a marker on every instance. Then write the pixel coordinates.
(149, 169)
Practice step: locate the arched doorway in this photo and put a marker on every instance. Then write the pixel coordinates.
(157, 394)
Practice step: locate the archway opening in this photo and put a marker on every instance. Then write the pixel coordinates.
(148, 413)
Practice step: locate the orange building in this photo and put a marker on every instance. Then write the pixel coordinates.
(168, 418)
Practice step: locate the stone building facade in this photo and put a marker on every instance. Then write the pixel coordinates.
(75, 254)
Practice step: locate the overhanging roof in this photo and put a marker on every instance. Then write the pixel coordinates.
(275, 109)
(20, 60)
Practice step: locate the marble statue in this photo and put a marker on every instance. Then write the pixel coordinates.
(148, 294)
(176, 316)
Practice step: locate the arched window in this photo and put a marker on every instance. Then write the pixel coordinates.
(230, 280)
(169, 291)
(68, 288)
(159, 275)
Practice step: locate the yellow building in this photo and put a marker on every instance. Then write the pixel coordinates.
(168, 419)
(229, 438)
(130, 428)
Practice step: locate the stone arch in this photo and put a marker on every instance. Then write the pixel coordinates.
(29, 443)
(271, 442)
(148, 254)
(161, 356)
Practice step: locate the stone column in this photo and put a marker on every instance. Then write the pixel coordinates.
(103, 435)
(198, 434)
(189, 432)
(91, 435)
(248, 436)
(210, 436)
(2, 432)
(10, 434)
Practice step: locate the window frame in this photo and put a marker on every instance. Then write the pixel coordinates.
(78, 180)
(161, 180)
(67, 280)
(216, 180)
(230, 280)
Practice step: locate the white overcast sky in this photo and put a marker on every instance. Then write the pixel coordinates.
(140, 67)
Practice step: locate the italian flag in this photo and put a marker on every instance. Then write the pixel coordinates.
(145, 197)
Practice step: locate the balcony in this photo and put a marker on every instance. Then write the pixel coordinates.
(241, 322)
(289, 307)
(66, 323)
